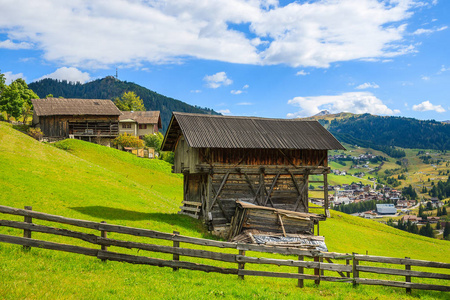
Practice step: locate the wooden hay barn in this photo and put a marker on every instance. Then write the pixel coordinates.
(261, 161)
(86, 119)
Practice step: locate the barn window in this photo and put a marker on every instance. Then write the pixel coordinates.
(126, 125)
(142, 126)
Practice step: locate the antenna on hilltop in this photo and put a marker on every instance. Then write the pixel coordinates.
(117, 74)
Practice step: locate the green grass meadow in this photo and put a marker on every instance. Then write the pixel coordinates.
(85, 181)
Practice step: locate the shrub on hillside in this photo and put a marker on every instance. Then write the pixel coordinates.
(128, 140)
(35, 133)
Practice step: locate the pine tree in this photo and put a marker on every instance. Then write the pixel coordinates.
(447, 230)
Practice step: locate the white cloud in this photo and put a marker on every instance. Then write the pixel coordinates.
(302, 73)
(426, 78)
(196, 91)
(10, 77)
(216, 80)
(70, 74)
(95, 34)
(354, 102)
(224, 111)
(8, 44)
(367, 85)
(443, 69)
(237, 92)
(244, 103)
(428, 31)
(426, 106)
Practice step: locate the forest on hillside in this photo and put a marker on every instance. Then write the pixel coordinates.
(386, 132)
(110, 88)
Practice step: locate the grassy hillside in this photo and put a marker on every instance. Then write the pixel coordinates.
(96, 183)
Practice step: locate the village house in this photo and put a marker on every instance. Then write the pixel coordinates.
(386, 209)
(139, 123)
(93, 120)
(412, 218)
(264, 163)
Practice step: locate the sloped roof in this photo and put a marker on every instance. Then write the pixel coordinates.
(211, 131)
(63, 106)
(142, 117)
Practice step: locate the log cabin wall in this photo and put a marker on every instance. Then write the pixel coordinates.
(58, 126)
(266, 177)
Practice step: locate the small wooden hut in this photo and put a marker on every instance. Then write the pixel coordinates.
(266, 162)
(86, 119)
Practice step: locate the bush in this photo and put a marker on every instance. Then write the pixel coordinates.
(168, 156)
(128, 140)
(63, 145)
(154, 141)
(35, 133)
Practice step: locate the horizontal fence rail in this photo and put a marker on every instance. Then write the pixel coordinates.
(348, 271)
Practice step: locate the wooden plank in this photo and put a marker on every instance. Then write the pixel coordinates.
(90, 238)
(226, 257)
(163, 263)
(189, 214)
(176, 244)
(48, 217)
(271, 189)
(399, 272)
(294, 263)
(401, 284)
(339, 272)
(403, 261)
(187, 208)
(290, 275)
(47, 245)
(191, 203)
(220, 189)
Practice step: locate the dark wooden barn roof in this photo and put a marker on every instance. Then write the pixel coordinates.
(210, 131)
(142, 117)
(62, 107)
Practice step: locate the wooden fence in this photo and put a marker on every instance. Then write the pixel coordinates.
(348, 271)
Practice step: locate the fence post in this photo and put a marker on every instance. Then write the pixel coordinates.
(317, 270)
(347, 262)
(241, 266)
(355, 271)
(104, 234)
(27, 232)
(300, 271)
(408, 278)
(176, 244)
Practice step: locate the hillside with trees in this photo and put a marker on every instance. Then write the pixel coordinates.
(384, 133)
(111, 88)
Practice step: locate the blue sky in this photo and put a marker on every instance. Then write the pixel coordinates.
(267, 58)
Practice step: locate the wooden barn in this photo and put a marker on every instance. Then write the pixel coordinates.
(86, 119)
(262, 162)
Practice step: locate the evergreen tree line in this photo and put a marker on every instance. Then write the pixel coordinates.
(111, 88)
(441, 190)
(409, 193)
(361, 206)
(392, 131)
(426, 230)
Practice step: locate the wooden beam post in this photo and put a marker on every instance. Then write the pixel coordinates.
(241, 266)
(325, 195)
(347, 262)
(300, 271)
(355, 271)
(176, 244)
(317, 270)
(408, 278)
(27, 232)
(104, 234)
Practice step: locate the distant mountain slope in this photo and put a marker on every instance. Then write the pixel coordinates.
(110, 88)
(388, 131)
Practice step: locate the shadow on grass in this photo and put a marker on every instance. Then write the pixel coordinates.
(115, 214)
